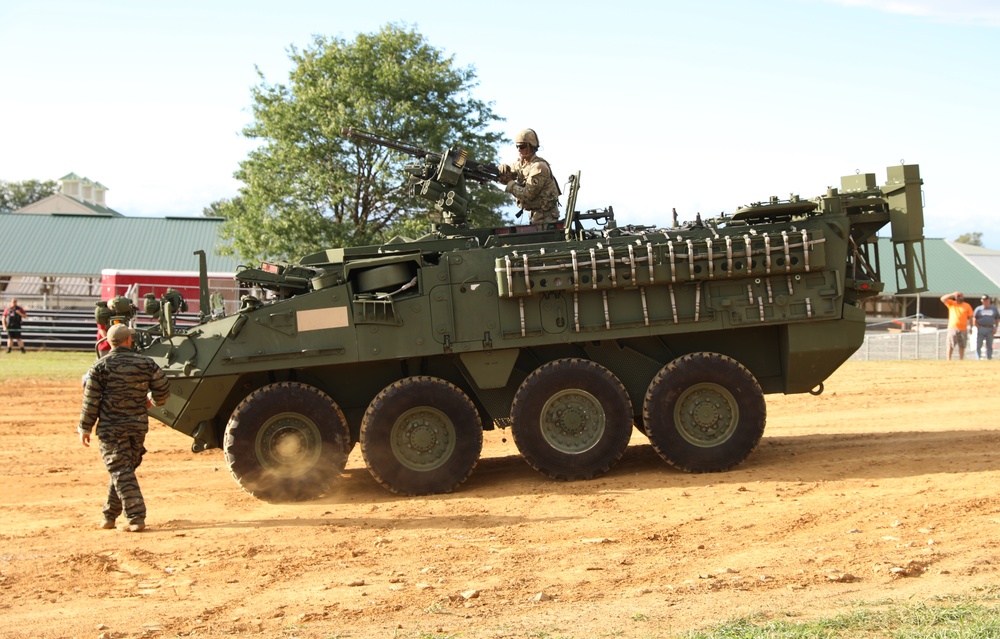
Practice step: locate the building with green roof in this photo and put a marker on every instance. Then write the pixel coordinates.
(54, 251)
(950, 266)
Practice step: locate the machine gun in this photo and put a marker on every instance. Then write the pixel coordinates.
(441, 177)
(117, 310)
(164, 310)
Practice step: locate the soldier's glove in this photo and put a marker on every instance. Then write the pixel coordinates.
(506, 174)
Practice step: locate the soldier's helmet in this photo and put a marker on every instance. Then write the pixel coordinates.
(527, 136)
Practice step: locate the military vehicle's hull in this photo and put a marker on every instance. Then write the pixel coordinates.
(570, 338)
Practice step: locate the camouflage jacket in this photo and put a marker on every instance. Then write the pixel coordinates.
(535, 187)
(115, 395)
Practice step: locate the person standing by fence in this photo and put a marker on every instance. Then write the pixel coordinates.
(102, 316)
(959, 313)
(12, 317)
(103, 343)
(985, 317)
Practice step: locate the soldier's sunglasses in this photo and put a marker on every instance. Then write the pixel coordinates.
(521, 146)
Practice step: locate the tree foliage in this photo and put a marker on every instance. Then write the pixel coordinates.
(215, 209)
(306, 187)
(17, 195)
(975, 239)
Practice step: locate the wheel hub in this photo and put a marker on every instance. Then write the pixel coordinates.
(573, 421)
(289, 444)
(423, 438)
(706, 415)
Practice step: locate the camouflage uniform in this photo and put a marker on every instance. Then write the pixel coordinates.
(529, 179)
(115, 399)
(535, 189)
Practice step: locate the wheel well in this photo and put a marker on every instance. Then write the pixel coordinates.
(209, 433)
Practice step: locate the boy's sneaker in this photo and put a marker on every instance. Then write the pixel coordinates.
(107, 524)
(136, 527)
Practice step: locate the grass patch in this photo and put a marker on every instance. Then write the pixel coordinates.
(47, 365)
(945, 618)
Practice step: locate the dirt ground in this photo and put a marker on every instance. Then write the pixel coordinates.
(884, 487)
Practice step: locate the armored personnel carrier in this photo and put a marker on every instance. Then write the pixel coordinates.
(569, 334)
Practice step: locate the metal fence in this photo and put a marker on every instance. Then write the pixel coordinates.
(60, 330)
(880, 346)
(912, 337)
(66, 330)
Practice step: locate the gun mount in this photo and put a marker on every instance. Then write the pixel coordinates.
(441, 177)
(570, 335)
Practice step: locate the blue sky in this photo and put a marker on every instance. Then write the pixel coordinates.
(698, 106)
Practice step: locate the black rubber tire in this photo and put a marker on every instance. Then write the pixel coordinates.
(571, 419)
(287, 442)
(421, 436)
(704, 412)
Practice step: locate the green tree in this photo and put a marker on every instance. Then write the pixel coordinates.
(16, 195)
(975, 239)
(306, 187)
(215, 209)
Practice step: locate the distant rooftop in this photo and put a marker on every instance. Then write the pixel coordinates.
(61, 245)
(77, 196)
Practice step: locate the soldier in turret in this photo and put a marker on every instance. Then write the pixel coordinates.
(529, 179)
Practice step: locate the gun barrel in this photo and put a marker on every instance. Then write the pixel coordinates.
(365, 136)
(482, 172)
(472, 170)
